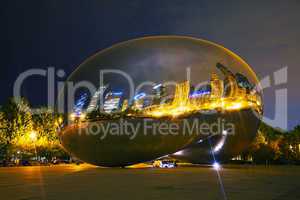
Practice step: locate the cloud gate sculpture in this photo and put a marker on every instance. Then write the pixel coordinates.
(159, 96)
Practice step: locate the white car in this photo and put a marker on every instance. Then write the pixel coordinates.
(164, 164)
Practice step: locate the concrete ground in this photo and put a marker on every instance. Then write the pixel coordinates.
(87, 182)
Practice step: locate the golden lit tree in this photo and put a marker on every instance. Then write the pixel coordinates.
(3, 136)
(46, 124)
(17, 122)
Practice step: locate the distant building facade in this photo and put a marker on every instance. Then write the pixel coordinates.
(113, 102)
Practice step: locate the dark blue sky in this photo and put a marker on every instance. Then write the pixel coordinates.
(39, 34)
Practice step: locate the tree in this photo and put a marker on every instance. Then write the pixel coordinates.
(267, 145)
(46, 124)
(258, 141)
(3, 136)
(291, 145)
(18, 122)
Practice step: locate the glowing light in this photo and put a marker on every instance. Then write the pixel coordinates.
(157, 113)
(184, 103)
(179, 153)
(139, 96)
(199, 93)
(219, 146)
(82, 116)
(216, 166)
(33, 136)
(117, 93)
(72, 116)
(157, 86)
(258, 103)
(60, 120)
(235, 106)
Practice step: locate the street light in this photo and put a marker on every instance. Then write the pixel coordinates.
(216, 166)
(60, 120)
(33, 136)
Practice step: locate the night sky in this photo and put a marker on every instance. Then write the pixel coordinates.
(39, 34)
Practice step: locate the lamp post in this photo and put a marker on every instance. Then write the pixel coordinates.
(33, 138)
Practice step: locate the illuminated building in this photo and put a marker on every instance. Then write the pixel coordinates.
(216, 86)
(95, 101)
(181, 96)
(78, 109)
(138, 101)
(202, 100)
(148, 101)
(125, 105)
(243, 82)
(112, 102)
(224, 70)
(179, 105)
(230, 84)
(192, 89)
(159, 93)
(79, 104)
(202, 91)
(241, 92)
(159, 90)
(200, 94)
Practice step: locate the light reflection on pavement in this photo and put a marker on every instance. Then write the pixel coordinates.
(89, 182)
